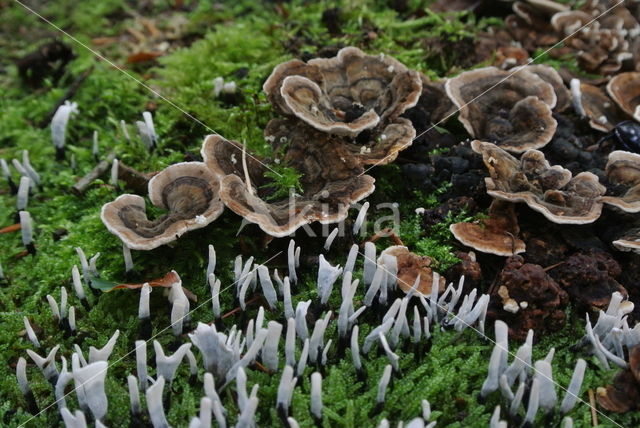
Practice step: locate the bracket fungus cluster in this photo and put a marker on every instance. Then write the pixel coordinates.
(340, 115)
(189, 191)
(600, 33)
(550, 190)
(494, 235)
(512, 109)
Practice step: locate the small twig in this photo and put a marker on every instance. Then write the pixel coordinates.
(134, 179)
(238, 309)
(70, 93)
(81, 186)
(246, 170)
(548, 268)
(592, 402)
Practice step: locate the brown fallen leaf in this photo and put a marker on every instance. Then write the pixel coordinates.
(12, 228)
(142, 57)
(101, 41)
(165, 281)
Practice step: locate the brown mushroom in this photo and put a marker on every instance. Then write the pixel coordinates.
(624, 394)
(494, 235)
(630, 241)
(531, 26)
(552, 77)
(550, 190)
(624, 89)
(187, 190)
(511, 108)
(331, 180)
(410, 265)
(623, 171)
(603, 114)
(525, 297)
(601, 47)
(346, 94)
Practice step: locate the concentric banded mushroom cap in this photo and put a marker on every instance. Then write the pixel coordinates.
(624, 89)
(494, 235)
(547, 189)
(623, 169)
(188, 191)
(602, 112)
(568, 21)
(346, 94)
(512, 108)
(410, 265)
(630, 241)
(329, 186)
(552, 77)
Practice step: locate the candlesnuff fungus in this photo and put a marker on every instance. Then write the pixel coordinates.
(550, 190)
(511, 108)
(346, 94)
(494, 235)
(330, 186)
(188, 190)
(623, 173)
(59, 126)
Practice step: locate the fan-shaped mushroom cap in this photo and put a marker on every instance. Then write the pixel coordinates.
(602, 112)
(547, 189)
(548, 6)
(410, 265)
(330, 185)
(630, 241)
(568, 21)
(552, 77)
(623, 169)
(511, 108)
(494, 235)
(188, 190)
(624, 89)
(346, 94)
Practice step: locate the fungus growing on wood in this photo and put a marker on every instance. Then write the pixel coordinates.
(494, 235)
(188, 190)
(331, 184)
(513, 109)
(550, 190)
(623, 173)
(346, 94)
(410, 267)
(624, 89)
